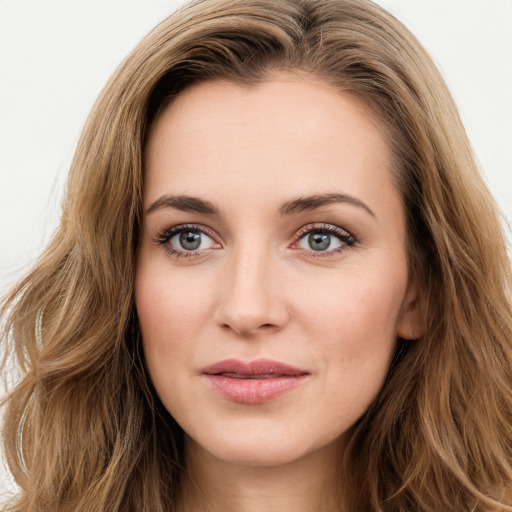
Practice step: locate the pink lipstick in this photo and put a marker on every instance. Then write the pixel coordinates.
(253, 382)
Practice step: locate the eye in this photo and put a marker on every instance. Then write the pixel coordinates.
(324, 238)
(186, 241)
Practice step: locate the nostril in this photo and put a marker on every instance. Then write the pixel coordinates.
(246, 330)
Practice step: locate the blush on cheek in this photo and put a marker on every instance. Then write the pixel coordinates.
(169, 317)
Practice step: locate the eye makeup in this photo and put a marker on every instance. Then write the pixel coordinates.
(317, 240)
(198, 232)
(321, 236)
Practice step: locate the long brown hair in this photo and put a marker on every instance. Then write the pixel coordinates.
(84, 430)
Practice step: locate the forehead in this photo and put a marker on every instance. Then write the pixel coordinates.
(287, 135)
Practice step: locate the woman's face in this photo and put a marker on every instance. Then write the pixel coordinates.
(271, 281)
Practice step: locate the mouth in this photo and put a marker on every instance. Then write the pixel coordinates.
(241, 376)
(253, 382)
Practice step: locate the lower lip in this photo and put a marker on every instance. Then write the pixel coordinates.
(254, 391)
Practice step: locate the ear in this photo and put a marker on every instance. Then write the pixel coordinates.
(410, 323)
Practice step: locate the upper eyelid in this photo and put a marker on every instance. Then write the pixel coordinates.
(323, 226)
(192, 227)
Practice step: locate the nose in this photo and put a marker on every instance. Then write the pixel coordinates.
(252, 295)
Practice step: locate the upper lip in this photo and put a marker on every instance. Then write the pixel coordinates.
(255, 367)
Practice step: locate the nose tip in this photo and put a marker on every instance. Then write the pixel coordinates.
(252, 300)
(246, 324)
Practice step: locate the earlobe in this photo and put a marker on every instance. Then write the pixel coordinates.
(411, 325)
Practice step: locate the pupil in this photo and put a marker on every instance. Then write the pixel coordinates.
(319, 241)
(190, 240)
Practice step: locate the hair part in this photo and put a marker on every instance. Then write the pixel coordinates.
(84, 429)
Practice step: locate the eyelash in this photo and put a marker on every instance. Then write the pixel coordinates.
(347, 240)
(163, 238)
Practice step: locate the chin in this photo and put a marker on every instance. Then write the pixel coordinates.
(259, 448)
(257, 454)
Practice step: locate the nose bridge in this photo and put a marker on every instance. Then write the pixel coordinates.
(251, 296)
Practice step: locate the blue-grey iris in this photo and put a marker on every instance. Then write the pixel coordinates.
(190, 240)
(319, 241)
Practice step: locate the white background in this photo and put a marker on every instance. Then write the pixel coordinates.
(55, 56)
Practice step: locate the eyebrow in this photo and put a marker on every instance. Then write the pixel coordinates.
(307, 203)
(302, 204)
(184, 203)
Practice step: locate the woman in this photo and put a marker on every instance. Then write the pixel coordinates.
(279, 282)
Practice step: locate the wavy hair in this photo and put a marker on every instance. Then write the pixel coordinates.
(84, 430)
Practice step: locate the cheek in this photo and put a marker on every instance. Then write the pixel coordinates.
(353, 320)
(171, 309)
(364, 304)
(168, 302)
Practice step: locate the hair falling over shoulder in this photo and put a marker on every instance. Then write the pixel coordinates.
(84, 430)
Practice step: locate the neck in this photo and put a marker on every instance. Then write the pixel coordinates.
(308, 484)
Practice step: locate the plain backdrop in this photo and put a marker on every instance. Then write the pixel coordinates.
(55, 57)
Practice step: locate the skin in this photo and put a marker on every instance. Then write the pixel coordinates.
(256, 288)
